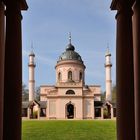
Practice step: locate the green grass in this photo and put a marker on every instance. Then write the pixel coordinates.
(69, 130)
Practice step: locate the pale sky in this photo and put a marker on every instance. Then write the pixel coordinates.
(47, 24)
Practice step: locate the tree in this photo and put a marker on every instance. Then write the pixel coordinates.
(37, 93)
(114, 94)
(25, 93)
(103, 96)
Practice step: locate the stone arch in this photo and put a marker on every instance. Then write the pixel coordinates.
(107, 110)
(59, 76)
(80, 76)
(70, 74)
(70, 110)
(33, 110)
(70, 92)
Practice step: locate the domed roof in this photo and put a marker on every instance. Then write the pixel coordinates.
(70, 54)
(70, 47)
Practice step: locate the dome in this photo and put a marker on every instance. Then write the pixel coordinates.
(70, 54)
(70, 47)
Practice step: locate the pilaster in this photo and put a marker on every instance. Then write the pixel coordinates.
(38, 115)
(136, 47)
(102, 113)
(112, 115)
(28, 113)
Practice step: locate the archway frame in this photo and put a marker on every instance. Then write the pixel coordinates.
(70, 103)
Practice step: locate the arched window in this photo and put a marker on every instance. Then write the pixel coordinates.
(70, 92)
(59, 76)
(80, 76)
(70, 75)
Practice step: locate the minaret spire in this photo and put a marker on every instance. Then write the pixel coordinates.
(70, 37)
(107, 51)
(32, 48)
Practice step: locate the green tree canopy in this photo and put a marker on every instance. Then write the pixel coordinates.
(114, 93)
(25, 93)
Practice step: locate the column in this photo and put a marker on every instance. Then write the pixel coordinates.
(48, 109)
(38, 115)
(28, 113)
(136, 46)
(102, 113)
(1, 66)
(124, 72)
(112, 116)
(13, 72)
(92, 108)
(46, 113)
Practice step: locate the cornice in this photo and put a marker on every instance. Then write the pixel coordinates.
(67, 62)
(114, 5)
(118, 4)
(22, 3)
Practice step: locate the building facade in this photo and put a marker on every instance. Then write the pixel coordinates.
(70, 97)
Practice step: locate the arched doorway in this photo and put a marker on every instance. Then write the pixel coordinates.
(70, 111)
(107, 111)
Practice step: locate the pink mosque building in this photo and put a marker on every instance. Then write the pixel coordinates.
(70, 97)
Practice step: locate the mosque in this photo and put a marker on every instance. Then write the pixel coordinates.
(70, 97)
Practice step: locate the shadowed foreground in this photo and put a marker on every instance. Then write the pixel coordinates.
(69, 130)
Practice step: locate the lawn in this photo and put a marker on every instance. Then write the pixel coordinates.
(69, 130)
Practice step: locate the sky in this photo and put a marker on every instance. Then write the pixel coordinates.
(46, 26)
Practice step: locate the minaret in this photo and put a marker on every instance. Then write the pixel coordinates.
(108, 66)
(70, 37)
(31, 76)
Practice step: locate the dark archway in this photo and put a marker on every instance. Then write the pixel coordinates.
(70, 75)
(59, 76)
(70, 92)
(107, 111)
(80, 76)
(70, 111)
(33, 114)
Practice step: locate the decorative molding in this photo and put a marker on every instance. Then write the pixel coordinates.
(114, 5)
(32, 81)
(109, 81)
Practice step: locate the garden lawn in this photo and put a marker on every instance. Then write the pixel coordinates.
(69, 130)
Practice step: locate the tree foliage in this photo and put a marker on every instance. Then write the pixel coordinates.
(37, 91)
(25, 93)
(103, 96)
(114, 93)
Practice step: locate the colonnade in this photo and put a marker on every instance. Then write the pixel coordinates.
(10, 68)
(128, 68)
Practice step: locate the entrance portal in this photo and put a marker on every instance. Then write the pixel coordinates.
(107, 111)
(70, 111)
